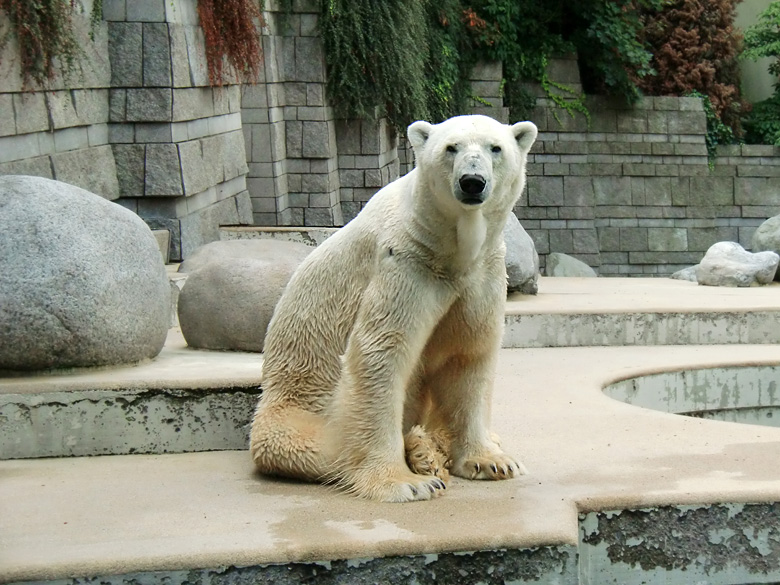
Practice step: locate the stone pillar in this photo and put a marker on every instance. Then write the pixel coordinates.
(486, 82)
(290, 129)
(177, 141)
(368, 160)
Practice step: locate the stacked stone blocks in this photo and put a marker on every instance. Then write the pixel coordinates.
(60, 133)
(630, 191)
(290, 129)
(177, 141)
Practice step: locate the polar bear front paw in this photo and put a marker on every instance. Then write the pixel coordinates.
(402, 486)
(491, 466)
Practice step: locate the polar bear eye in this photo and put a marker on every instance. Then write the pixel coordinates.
(451, 148)
(495, 149)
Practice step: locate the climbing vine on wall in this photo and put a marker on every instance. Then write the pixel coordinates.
(406, 59)
(45, 35)
(232, 33)
(375, 52)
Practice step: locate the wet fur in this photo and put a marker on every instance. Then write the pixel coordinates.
(383, 346)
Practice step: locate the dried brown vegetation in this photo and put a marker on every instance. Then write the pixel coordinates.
(232, 32)
(695, 47)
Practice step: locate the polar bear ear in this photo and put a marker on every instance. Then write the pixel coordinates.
(525, 134)
(418, 132)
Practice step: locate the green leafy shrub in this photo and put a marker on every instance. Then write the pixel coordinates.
(607, 37)
(762, 124)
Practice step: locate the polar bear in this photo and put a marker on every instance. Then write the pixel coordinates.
(395, 323)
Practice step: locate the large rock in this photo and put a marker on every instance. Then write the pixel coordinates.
(232, 289)
(265, 249)
(564, 265)
(83, 282)
(729, 264)
(522, 260)
(767, 238)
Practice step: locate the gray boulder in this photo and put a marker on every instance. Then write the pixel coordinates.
(688, 274)
(265, 249)
(83, 282)
(522, 260)
(767, 238)
(729, 264)
(228, 300)
(564, 265)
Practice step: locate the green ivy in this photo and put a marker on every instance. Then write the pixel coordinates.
(717, 131)
(762, 124)
(410, 59)
(373, 52)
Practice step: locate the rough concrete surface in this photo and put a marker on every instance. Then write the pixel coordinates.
(599, 470)
(584, 451)
(639, 311)
(680, 545)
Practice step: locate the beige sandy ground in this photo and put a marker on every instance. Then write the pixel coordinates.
(584, 451)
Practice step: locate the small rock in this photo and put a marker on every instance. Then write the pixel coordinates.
(227, 303)
(686, 274)
(259, 249)
(83, 282)
(564, 265)
(729, 264)
(522, 260)
(767, 238)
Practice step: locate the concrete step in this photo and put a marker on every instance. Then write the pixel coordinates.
(615, 494)
(184, 400)
(176, 403)
(576, 312)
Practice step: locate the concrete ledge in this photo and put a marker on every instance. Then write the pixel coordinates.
(168, 515)
(640, 311)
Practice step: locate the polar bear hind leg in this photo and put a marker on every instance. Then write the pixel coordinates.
(288, 441)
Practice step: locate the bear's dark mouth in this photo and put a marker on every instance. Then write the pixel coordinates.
(471, 201)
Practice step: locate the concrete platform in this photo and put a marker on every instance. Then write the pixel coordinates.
(641, 311)
(615, 493)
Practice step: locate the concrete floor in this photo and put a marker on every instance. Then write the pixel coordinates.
(595, 466)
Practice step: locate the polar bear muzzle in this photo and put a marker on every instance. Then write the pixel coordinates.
(471, 189)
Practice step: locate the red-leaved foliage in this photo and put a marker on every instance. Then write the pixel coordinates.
(695, 47)
(45, 36)
(232, 32)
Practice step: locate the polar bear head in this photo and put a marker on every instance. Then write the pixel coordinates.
(472, 162)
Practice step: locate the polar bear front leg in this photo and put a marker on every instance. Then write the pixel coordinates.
(364, 432)
(463, 398)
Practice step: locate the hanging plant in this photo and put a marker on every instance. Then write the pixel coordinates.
(231, 29)
(45, 36)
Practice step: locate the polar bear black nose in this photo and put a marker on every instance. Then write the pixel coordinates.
(472, 184)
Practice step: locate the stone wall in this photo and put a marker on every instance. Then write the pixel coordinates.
(628, 191)
(631, 191)
(61, 133)
(140, 125)
(177, 141)
(306, 167)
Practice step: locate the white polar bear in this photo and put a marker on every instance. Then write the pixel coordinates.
(396, 321)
